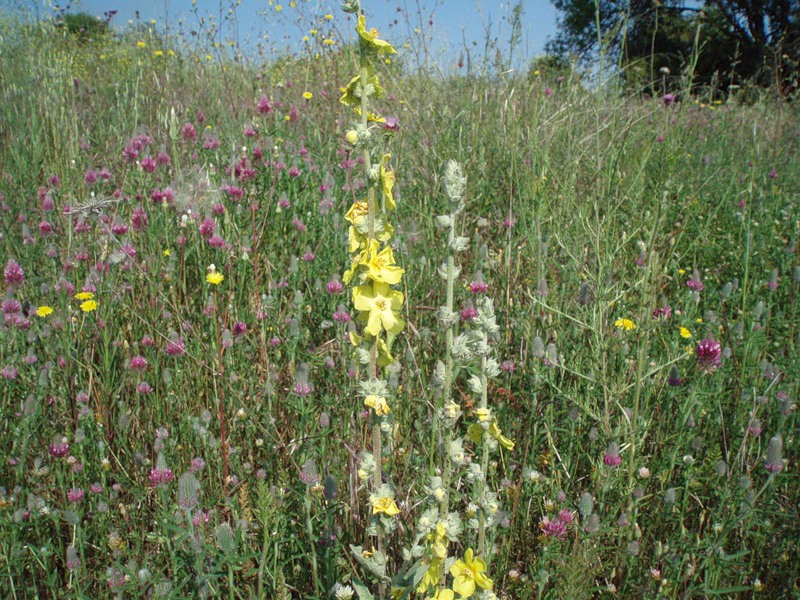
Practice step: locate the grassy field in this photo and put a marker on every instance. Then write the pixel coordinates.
(182, 409)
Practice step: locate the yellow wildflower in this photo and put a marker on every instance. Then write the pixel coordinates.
(371, 116)
(387, 182)
(84, 296)
(329, 17)
(384, 505)
(370, 38)
(469, 574)
(44, 311)
(432, 575)
(382, 304)
(308, 95)
(483, 414)
(141, 44)
(475, 433)
(378, 404)
(329, 42)
(451, 410)
(88, 305)
(381, 266)
(215, 278)
(625, 324)
(351, 93)
(167, 252)
(685, 333)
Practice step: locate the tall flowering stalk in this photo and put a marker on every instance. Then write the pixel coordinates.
(371, 277)
(470, 350)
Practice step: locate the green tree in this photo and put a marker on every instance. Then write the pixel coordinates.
(737, 40)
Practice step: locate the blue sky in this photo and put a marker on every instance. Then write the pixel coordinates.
(454, 21)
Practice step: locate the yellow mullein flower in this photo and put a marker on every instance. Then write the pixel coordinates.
(88, 305)
(625, 324)
(44, 311)
(451, 410)
(475, 433)
(371, 116)
(431, 577)
(370, 38)
(84, 296)
(381, 266)
(387, 182)
(469, 574)
(444, 595)
(357, 259)
(215, 278)
(351, 93)
(357, 213)
(378, 404)
(385, 357)
(483, 414)
(384, 505)
(382, 304)
(685, 333)
(437, 537)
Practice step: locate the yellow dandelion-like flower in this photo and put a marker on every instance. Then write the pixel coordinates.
(308, 95)
(685, 333)
(84, 296)
(167, 252)
(329, 17)
(215, 278)
(329, 42)
(625, 324)
(141, 44)
(159, 53)
(44, 311)
(89, 305)
(278, 7)
(699, 319)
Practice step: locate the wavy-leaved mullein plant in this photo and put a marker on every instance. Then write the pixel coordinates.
(372, 276)
(470, 351)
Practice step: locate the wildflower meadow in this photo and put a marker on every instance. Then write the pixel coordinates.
(356, 321)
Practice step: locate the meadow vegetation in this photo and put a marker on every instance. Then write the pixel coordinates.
(585, 384)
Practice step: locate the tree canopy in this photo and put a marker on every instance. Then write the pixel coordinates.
(721, 42)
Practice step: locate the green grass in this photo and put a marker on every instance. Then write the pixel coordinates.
(612, 219)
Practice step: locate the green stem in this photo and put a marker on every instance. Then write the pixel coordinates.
(447, 392)
(484, 464)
